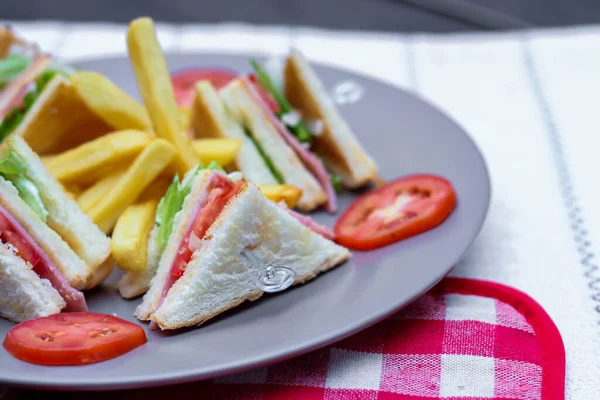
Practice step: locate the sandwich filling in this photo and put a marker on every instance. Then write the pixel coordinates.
(312, 163)
(218, 191)
(16, 238)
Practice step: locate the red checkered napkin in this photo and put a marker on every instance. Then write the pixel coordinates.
(464, 340)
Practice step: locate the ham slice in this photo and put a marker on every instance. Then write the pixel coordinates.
(314, 165)
(307, 221)
(12, 96)
(46, 269)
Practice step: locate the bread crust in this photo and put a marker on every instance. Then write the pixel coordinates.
(338, 146)
(59, 120)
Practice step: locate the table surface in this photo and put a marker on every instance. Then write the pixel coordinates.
(529, 100)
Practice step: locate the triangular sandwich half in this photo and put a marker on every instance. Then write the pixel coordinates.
(202, 273)
(73, 242)
(337, 144)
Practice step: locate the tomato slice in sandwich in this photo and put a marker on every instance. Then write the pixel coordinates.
(220, 190)
(184, 81)
(73, 339)
(402, 208)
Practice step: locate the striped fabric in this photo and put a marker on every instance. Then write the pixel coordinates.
(529, 100)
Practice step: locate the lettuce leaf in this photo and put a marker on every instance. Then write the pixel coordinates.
(299, 130)
(12, 168)
(11, 67)
(336, 182)
(172, 202)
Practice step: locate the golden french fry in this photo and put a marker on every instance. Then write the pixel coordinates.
(109, 102)
(146, 167)
(155, 86)
(129, 242)
(184, 117)
(92, 160)
(222, 151)
(95, 193)
(157, 189)
(289, 193)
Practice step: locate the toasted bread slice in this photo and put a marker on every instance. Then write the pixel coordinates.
(337, 144)
(257, 120)
(59, 120)
(218, 278)
(180, 224)
(7, 39)
(23, 294)
(212, 118)
(64, 216)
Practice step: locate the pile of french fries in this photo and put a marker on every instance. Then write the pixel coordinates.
(119, 178)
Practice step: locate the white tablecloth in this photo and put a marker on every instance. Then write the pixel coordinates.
(531, 101)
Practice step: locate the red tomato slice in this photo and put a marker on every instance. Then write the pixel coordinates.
(9, 235)
(73, 339)
(400, 209)
(183, 82)
(266, 96)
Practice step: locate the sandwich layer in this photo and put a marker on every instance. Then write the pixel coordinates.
(23, 294)
(64, 215)
(211, 118)
(263, 126)
(197, 194)
(16, 238)
(73, 268)
(219, 278)
(337, 144)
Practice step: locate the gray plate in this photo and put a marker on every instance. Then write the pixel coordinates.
(405, 135)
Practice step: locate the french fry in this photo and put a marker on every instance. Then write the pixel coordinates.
(146, 167)
(110, 102)
(289, 193)
(129, 243)
(222, 151)
(155, 86)
(95, 193)
(184, 117)
(92, 160)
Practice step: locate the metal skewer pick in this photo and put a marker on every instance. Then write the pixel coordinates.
(271, 278)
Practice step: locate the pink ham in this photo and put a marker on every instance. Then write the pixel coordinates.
(47, 270)
(310, 160)
(12, 96)
(307, 221)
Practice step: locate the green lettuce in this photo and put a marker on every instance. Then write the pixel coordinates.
(336, 182)
(172, 202)
(12, 168)
(300, 131)
(276, 174)
(11, 67)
